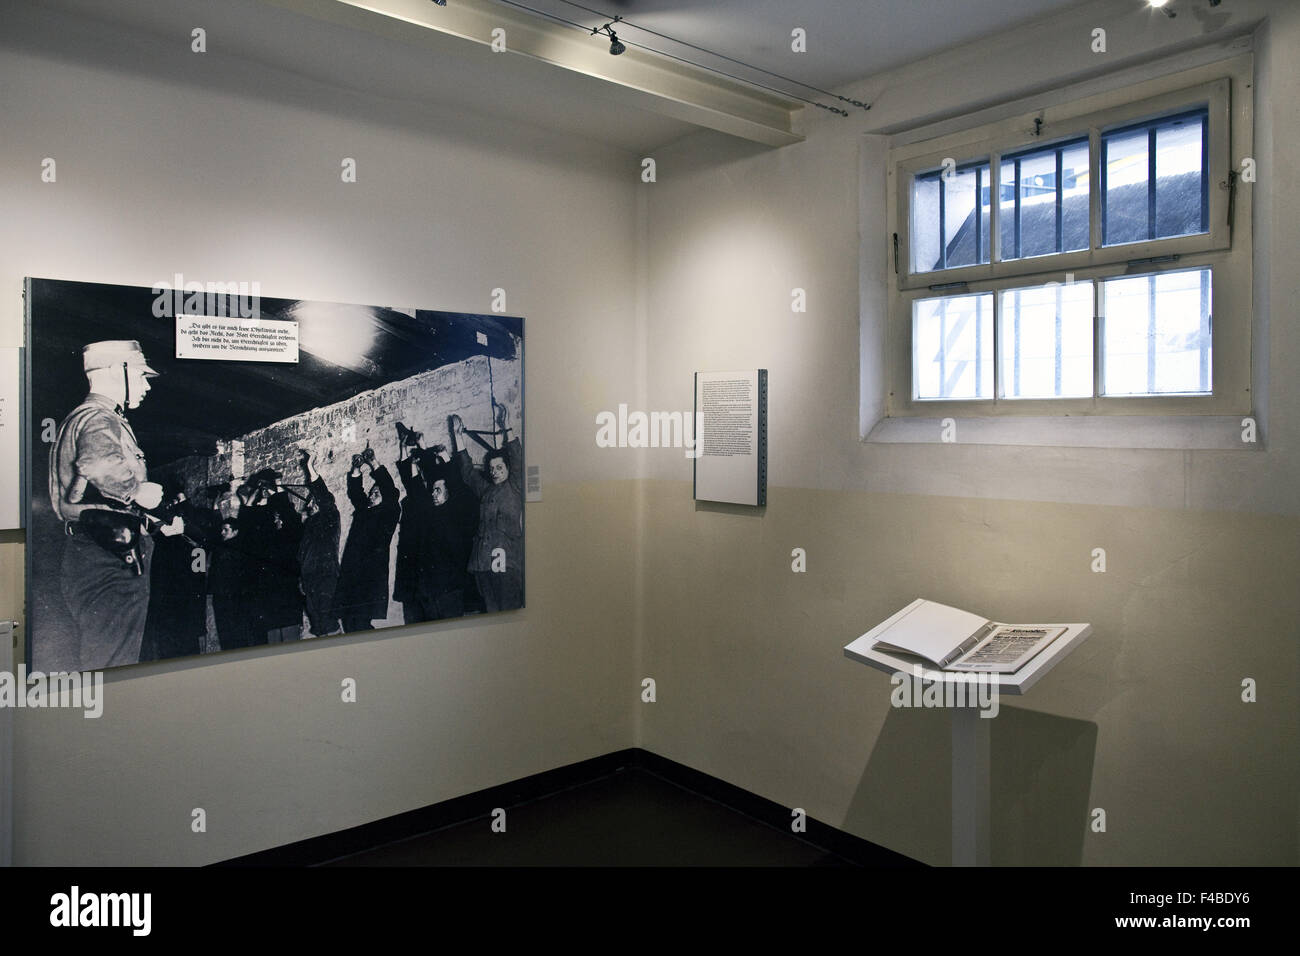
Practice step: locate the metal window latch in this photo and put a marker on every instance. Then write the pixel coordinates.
(1154, 260)
(1230, 184)
(949, 286)
(895, 253)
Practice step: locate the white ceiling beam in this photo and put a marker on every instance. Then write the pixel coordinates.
(635, 78)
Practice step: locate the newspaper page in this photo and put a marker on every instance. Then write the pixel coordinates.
(1007, 649)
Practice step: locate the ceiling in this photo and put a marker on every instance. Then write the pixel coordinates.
(846, 40)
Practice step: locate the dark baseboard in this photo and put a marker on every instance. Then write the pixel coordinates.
(332, 846)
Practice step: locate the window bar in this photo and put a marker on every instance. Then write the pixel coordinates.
(1015, 334)
(1059, 300)
(995, 225)
(943, 345)
(1205, 173)
(1101, 184)
(943, 222)
(996, 318)
(1205, 330)
(1098, 338)
(979, 215)
(979, 349)
(1017, 188)
(1151, 183)
(1060, 198)
(1151, 334)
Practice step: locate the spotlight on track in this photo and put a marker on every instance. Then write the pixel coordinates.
(615, 44)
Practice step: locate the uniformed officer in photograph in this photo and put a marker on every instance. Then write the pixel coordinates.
(100, 490)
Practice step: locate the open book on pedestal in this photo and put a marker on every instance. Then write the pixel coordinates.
(957, 640)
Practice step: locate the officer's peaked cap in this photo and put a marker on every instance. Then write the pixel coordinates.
(114, 353)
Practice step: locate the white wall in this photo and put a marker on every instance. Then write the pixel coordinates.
(224, 169)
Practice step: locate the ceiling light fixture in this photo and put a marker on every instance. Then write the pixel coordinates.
(615, 45)
(1165, 6)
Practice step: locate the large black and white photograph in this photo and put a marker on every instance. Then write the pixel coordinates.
(239, 497)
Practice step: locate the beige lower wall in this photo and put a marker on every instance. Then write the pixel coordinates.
(1145, 720)
(262, 741)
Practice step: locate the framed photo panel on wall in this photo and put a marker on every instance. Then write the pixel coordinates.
(209, 469)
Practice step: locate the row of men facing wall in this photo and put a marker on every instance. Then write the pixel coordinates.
(267, 552)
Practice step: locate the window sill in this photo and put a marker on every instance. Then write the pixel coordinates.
(1218, 432)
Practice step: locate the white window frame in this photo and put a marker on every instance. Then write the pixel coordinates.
(1225, 88)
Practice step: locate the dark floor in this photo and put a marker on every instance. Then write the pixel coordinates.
(631, 817)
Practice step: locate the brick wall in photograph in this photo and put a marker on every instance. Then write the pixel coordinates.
(334, 433)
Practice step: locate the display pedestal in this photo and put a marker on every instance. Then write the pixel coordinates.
(970, 731)
(970, 787)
